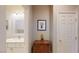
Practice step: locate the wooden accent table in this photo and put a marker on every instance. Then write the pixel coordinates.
(42, 46)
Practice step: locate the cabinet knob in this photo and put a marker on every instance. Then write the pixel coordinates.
(75, 38)
(60, 40)
(11, 49)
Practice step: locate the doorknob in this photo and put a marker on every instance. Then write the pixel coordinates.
(75, 38)
(60, 40)
(11, 49)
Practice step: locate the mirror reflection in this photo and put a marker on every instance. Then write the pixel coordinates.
(15, 23)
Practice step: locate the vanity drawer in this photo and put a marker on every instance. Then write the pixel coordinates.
(15, 44)
(13, 47)
(15, 50)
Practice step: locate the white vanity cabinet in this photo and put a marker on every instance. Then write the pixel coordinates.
(15, 47)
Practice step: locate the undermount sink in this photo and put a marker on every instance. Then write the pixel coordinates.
(15, 40)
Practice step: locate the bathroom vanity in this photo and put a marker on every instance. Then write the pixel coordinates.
(15, 45)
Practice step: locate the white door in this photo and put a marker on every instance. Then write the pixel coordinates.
(67, 32)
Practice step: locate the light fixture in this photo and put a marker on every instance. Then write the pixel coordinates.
(18, 15)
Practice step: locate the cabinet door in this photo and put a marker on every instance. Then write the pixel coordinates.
(15, 47)
(67, 32)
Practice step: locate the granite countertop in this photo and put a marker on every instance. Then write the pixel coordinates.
(15, 40)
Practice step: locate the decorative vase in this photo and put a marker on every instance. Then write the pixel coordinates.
(42, 37)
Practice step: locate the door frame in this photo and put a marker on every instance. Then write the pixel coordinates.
(68, 12)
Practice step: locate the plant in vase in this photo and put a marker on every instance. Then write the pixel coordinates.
(42, 38)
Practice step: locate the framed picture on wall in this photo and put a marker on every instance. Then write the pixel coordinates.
(41, 25)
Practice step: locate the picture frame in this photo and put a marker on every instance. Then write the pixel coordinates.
(41, 25)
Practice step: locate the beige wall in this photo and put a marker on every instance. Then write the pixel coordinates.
(2, 29)
(41, 13)
(78, 27)
(28, 27)
(56, 9)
